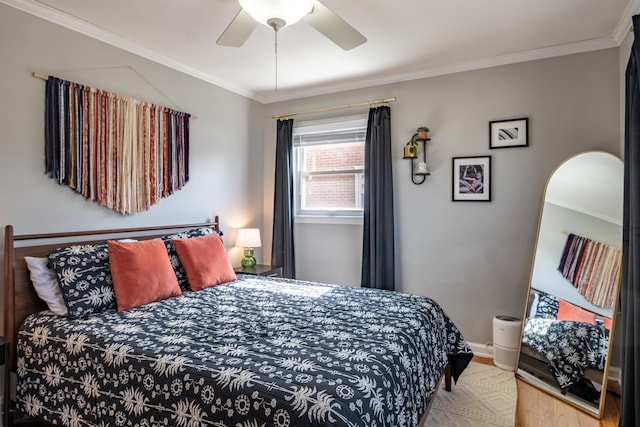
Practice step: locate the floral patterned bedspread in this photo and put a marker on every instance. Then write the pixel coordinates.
(570, 347)
(253, 352)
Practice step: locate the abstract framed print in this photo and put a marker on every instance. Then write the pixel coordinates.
(509, 133)
(471, 180)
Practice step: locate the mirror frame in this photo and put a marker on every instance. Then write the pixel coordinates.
(530, 378)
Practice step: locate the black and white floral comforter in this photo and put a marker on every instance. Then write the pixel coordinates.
(570, 347)
(254, 352)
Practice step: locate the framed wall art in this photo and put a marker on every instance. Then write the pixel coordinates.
(509, 133)
(471, 180)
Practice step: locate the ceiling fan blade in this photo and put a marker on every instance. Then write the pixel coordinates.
(238, 30)
(334, 27)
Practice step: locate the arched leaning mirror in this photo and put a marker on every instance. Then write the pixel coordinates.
(570, 309)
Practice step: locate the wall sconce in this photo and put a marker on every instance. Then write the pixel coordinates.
(411, 149)
(248, 238)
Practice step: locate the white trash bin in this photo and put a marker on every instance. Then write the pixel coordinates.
(506, 337)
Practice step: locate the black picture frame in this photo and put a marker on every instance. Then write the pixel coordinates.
(471, 179)
(509, 133)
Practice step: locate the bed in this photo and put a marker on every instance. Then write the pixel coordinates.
(565, 344)
(250, 351)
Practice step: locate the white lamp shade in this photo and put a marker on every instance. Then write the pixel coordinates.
(291, 11)
(248, 238)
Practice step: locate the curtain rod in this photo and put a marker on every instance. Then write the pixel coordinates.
(337, 107)
(45, 77)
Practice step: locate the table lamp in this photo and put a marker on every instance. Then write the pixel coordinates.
(248, 238)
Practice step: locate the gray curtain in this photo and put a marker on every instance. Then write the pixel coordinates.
(378, 263)
(630, 290)
(282, 253)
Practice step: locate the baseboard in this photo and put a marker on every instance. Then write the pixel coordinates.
(482, 350)
(614, 377)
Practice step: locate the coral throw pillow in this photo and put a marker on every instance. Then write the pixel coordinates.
(141, 273)
(568, 311)
(205, 261)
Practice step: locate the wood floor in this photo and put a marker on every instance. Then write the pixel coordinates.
(536, 408)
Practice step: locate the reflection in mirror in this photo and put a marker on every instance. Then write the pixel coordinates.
(565, 347)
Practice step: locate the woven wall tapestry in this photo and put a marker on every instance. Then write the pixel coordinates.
(122, 153)
(592, 267)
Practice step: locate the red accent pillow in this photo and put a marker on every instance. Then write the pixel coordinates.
(141, 273)
(568, 311)
(607, 322)
(205, 261)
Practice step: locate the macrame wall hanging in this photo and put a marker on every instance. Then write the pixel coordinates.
(122, 153)
(592, 267)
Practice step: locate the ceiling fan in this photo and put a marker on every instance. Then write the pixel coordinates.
(280, 13)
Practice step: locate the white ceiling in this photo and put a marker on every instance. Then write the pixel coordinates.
(407, 39)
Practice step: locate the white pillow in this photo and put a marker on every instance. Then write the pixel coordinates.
(46, 285)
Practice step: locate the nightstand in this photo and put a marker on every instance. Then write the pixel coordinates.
(261, 270)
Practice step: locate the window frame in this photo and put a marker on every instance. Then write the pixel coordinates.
(355, 124)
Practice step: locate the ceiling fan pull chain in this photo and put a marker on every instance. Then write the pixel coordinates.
(276, 24)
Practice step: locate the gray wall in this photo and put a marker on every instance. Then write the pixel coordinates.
(473, 258)
(624, 51)
(226, 139)
(329, 253)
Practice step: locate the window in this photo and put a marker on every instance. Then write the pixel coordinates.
(328, 162)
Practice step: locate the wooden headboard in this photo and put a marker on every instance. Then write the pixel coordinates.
(20, 298)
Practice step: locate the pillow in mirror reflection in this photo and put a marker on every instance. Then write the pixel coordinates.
(606, 321)
(568, 311)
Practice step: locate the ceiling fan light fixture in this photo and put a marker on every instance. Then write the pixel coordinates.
(289, 11)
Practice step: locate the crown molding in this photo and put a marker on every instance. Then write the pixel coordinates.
(83, 27)
(530, 55)
(625, 22)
